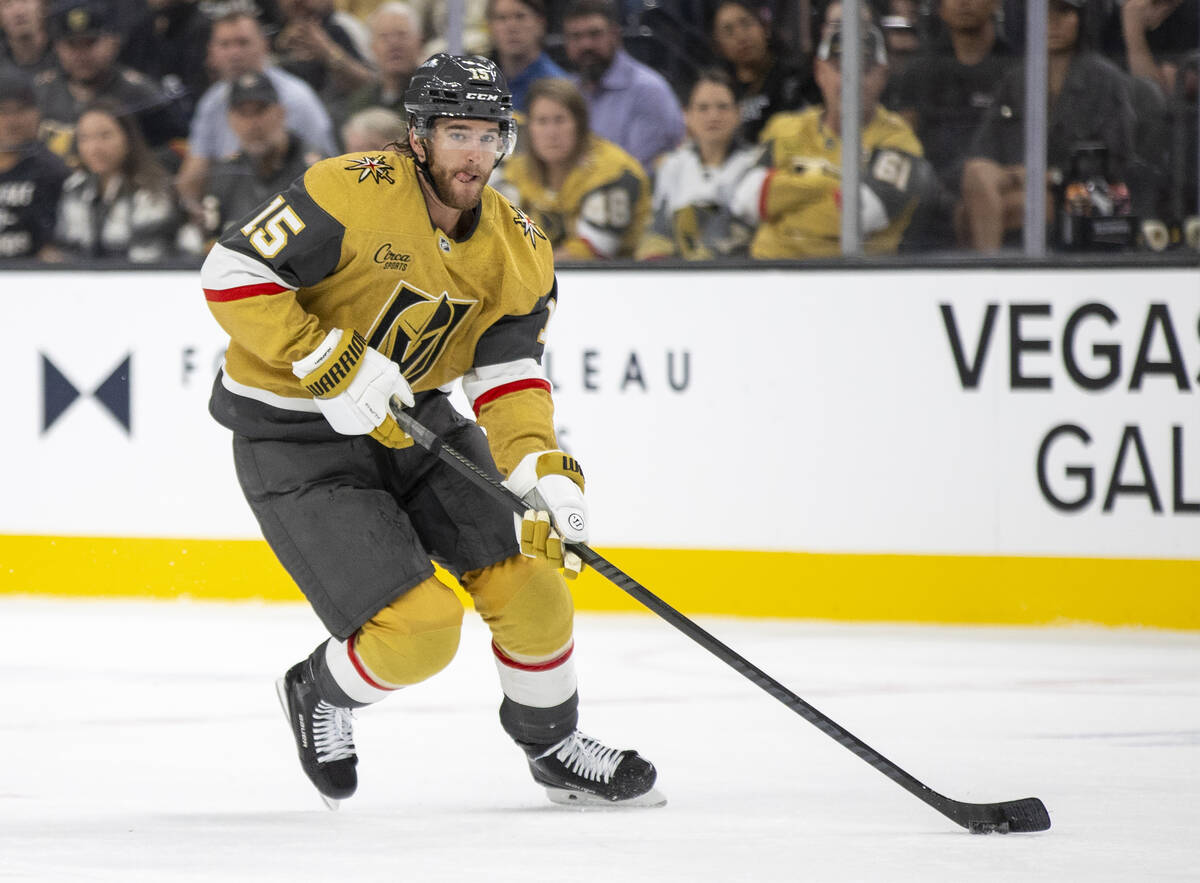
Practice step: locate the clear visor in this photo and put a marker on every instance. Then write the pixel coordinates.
(451, 133)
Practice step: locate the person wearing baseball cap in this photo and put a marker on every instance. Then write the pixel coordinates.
(269, 156)
(253, 88)
(84, 19)
(31, 177)
(797, 202)
(87, 40)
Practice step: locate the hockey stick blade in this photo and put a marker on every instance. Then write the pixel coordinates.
(1014, 816)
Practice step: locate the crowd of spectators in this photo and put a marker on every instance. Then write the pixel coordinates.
(694, 129)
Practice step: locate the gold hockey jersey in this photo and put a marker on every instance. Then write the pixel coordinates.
(800, 200)
(350, 245)
(601, 209)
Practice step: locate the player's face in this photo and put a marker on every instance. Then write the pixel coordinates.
(18, 124)
(552, 134)
(101, 143)
(712, 114)
(740, 37)
(461, 156)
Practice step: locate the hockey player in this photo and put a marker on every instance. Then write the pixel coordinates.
(589, 196)
(798, 200)
(396, 274)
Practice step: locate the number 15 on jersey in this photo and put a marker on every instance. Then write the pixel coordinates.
(265, 230)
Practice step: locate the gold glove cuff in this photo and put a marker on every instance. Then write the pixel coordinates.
(560, 463)
(334, 374)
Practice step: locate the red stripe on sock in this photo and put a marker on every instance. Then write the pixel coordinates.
(505, 388)
(362, 669)
(539, 666)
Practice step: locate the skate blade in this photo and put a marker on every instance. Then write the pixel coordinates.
(281, 692)
(580, 800)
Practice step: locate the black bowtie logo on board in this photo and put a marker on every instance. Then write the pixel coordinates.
(59, 393)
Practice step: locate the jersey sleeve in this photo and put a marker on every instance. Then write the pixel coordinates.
(778, 183)
(608, 215)
(251, 276)
(896, 178)
(508, 388)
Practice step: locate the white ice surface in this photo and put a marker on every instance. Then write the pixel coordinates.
(143, 742)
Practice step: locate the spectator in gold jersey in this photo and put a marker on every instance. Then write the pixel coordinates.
(797, 198)
(590, 197)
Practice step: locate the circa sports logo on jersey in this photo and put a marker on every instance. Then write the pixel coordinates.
(375, 167)
(530, 229)
(392, 260)
(415, 327)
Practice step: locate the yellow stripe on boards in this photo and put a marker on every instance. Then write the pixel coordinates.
(897, 588)
(222, 570)
(907, 588)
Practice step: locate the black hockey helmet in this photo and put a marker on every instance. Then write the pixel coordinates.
(463, 86)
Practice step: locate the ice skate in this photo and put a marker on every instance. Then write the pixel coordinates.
(579, 771)
(324, 735)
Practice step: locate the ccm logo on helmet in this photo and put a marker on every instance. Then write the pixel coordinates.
(481, 96)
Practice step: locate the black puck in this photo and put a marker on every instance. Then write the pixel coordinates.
(978, 826)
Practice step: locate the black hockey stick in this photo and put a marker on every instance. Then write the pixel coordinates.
(1024, 815)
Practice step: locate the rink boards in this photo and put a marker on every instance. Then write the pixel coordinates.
(962, 445)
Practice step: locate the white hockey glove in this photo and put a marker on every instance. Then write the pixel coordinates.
(551, 482)
(352, 383)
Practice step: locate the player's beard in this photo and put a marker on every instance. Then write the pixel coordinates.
(460, 195)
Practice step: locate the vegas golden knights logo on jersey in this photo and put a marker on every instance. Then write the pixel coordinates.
(415, 327)
(374, 167)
